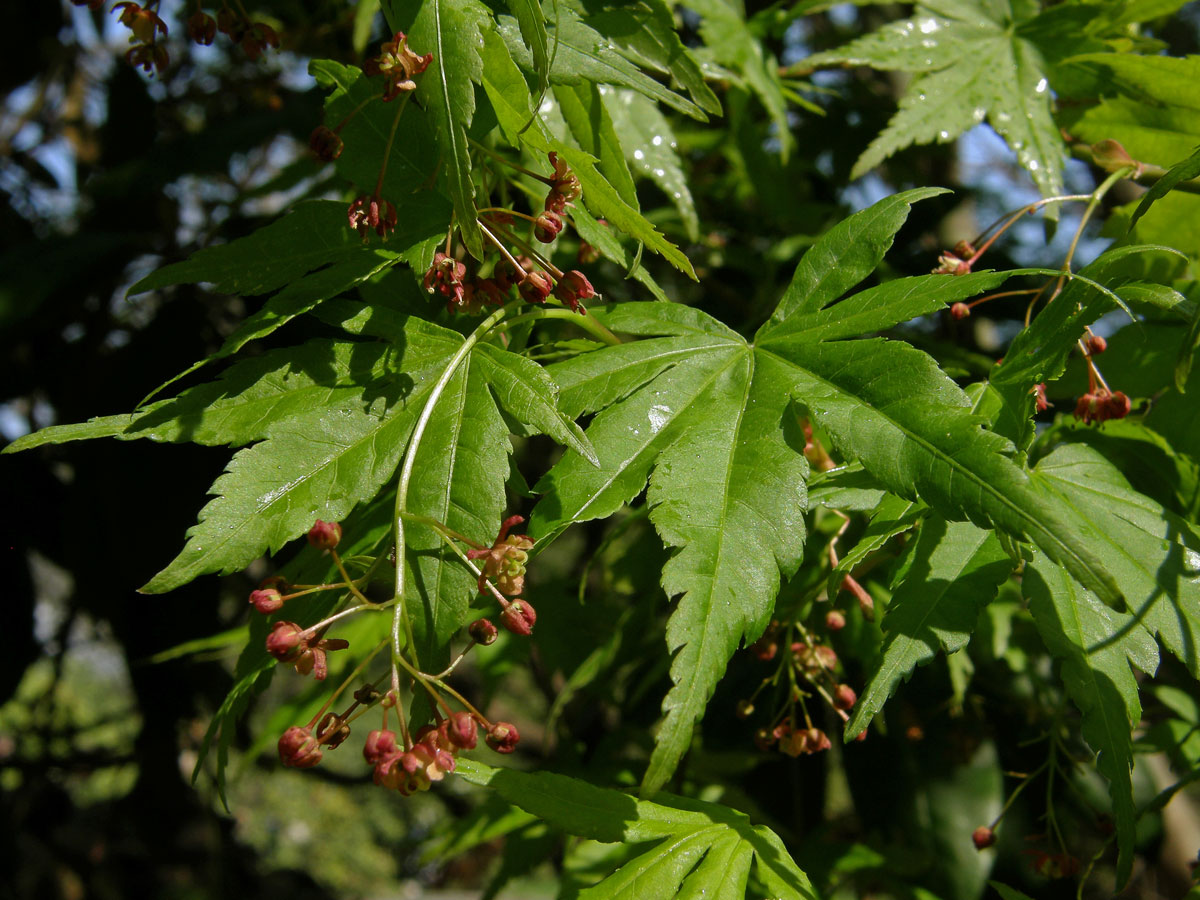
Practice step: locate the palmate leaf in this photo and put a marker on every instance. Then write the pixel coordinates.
(955, 571)
(727, 488)
(1096, 646)
(701, 414)
(971, 61)
(320, 460)
(699, 849)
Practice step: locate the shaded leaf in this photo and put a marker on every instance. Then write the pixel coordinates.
(725, 32)
(604, 202)
(532, 23)
(412, 163)
(955, 570)
(1096, 646)
(1153, 555)
(591, 126)
(892, 516)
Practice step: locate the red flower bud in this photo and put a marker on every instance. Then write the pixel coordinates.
(1096, 344)
(844, 697)
(325, 535)
(503, 737)
(835, 620)
(816, 740)
(286, 641)
(482, 632)
(1110, 156)
(380, 745)
(535, 287)
(461, 730)
(299, 749)
(960, 311)
(547, 226)
(267, 601)
(572, 288)
(983, 837)
(519, 618)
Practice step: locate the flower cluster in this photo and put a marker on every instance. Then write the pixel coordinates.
(564, 186)
(1100, 405)
(369, 213)
(146, 27)
(429, 759)
(504, 564)
(398, 64)
(253, 37)
(811, 668)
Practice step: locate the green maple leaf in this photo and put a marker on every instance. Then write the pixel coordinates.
(695, 848)
(955, 571)
(971, 60)
(327, 422)
(453, 31)
(702, 415)
(1097, 645)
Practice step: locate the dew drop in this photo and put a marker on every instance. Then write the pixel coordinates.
(657, 140)
(638, 154)
(929, 26)
(1041, 86)
(944, 135)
